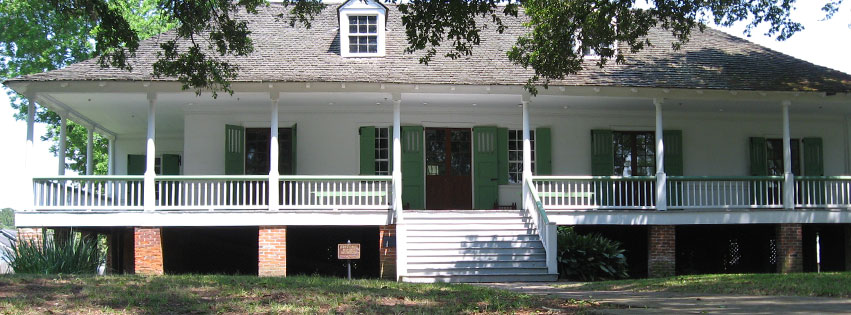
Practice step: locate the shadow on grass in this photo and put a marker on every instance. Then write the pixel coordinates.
(248, 294)
(827, 284)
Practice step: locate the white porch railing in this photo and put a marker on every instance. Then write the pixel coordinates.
(211, 193)
(823, 191)
(336, 192)
(547, 231)
(735, 192)
(596, 192)
(638, 193)
(88, 193)
(241, 192)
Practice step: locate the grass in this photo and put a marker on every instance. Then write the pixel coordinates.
(192, 294)
(827, 284)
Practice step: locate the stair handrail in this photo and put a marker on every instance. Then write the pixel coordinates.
(547, 230)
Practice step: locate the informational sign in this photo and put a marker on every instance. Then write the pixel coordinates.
(348, 251)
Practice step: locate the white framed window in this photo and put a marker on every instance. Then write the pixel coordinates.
(363, 34)
(382, 151)
(515, 155)
(362, 29)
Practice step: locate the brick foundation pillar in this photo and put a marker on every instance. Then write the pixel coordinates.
(387, 251)
(789, 248)
(35, 234)
(272, 251)
(661, 256)
(148, 251)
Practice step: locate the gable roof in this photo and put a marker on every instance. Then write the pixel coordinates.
(711, 60)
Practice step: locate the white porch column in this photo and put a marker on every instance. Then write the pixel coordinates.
(401, 229)
(788, 178)
(109, 157)
(661, 177)
(274, 153)
(89, 148)
(63, 141)
(527, 147)
(150, 156)
(397, 156)
(28, 153)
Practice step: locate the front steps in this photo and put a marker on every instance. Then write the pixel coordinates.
(473, 246)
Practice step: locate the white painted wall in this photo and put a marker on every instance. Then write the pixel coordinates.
(715, 143)
(125, 145)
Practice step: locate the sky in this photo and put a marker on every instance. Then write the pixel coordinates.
(825, 43)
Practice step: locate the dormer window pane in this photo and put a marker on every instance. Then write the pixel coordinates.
(363, 30)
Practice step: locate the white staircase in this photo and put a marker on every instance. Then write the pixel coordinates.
(473, 246)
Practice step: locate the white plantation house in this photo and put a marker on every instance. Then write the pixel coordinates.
(721, 156)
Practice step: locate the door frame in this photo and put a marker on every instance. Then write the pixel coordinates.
(472, 164)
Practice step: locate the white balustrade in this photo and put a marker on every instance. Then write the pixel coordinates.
(738, 192)
(246, 192)
(211, 193)
(596, 192)
(819, 192)
(88, 193)
(336, 192)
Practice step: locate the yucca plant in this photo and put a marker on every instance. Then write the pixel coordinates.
(76, 255)
(589, 257)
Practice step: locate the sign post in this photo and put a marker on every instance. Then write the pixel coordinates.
(348, 252)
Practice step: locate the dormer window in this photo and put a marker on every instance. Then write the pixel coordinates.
(363, 34)
(362, 28)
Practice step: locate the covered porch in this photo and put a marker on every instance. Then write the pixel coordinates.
(193, 160)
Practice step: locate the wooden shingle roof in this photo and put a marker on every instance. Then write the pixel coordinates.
(711, 60)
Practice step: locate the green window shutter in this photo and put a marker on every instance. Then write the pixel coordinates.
(367, 150)
(413, 167)
(813, 157)
(294, 152)
(170, 164)
(135, 164)
(602, 153)
(486, 167)
(502, 151)
(390, 150)
(759, 167)
(544, 152)
(234, 150)
(759, 160)
(673, 152)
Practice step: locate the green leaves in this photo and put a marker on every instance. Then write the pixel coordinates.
(430, 23)
(48, 255)
(589, 257)
(559, 31)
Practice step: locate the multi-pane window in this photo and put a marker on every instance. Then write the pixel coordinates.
(382, 151)
(774, 148)
(634, 153)
(515, 155)
(363, 34)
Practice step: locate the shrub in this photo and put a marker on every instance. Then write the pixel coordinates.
(589, 257)
(76, 255)
(7, 218)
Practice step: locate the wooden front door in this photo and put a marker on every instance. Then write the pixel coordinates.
(449, 178)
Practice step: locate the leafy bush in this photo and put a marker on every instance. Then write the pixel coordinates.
(7, 218)
(589, 257)
(76, 255)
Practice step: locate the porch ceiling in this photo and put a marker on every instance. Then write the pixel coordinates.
(125, 113)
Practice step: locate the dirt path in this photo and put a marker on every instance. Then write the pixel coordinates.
(683, 303)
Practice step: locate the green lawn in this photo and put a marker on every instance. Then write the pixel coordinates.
(248, 294)
(831, 284)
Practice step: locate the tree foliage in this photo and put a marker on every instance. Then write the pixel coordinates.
(39, 37)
